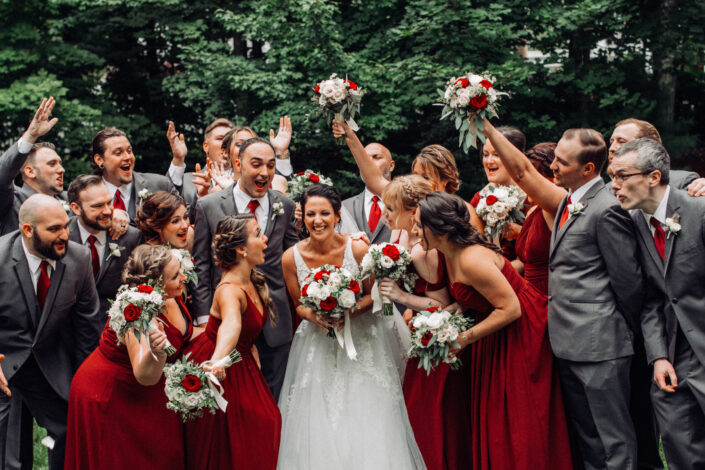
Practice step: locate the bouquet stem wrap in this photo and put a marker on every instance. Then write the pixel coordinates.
(380, 302)
(217, 390)
(344, 338)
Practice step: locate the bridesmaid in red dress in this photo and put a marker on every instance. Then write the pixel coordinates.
(117, 406)
(436, 403)
(515, 406)
(246, 436)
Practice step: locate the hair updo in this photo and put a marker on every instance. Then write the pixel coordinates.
(440, 162)
(447, 214)
(155, 212)
(406, 191)
(542, 155)
(146, 263)
(231, 233)
(322, 190)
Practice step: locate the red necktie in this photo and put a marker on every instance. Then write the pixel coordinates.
(375, 214)
(659, 237)
(95, 261)
(118, 203)
(43, 284)
(564, 214)
(253, 205)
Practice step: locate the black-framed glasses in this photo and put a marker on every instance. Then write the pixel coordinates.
(620, 178)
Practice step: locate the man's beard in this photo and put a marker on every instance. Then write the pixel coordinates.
(47, 249)
(94, 224)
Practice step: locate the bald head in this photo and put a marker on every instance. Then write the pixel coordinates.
(37, 207)
(44, 226)
(382, 158)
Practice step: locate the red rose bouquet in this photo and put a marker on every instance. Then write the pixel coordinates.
(387, 260)
(303, 180)
(500, 206)
(338, 99)
(433, 332)
(468, 100)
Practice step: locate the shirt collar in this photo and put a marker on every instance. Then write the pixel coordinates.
(368, 198)
(578, 194)
(100, 236)
(660, 213)
(242, 199)
(125, 189)
(34, 261)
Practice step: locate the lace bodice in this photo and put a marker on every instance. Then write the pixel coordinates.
(302, 270)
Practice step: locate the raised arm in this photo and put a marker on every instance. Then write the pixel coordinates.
(543, 192)
(281, 143)
(229, 301)
(374, 180)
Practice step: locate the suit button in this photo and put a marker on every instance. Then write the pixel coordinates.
(550, 297)
(674, 300)
(14, 367)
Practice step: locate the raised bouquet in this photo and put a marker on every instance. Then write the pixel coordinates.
(387, 260)
(190, 390)
(468, 100)
(338, 99)
(331, 291)
(133, 309)
(498, 206)
(188, 266)
(303, 180)
(433, 333)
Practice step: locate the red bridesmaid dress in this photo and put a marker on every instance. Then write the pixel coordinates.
(437, 403)
(246, 436)
(516, 407)
(116, 423)
(533, 248)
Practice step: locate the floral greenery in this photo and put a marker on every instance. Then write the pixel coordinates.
(330, 291)
(303, 180)
(433, 333)
(388, 260)
(187, 390)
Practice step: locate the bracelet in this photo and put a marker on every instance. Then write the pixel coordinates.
(283, 156)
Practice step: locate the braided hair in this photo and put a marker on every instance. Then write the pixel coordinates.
(439, 162)
(155, 212)
(146, 263)
(232, 233)
(407, 191)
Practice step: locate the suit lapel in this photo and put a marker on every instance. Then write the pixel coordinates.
(227, 200)
(645, 234)
(56, 276)
(138, 184)
(25, 280)
(107, 258)
(359, 208)
(585, 200)
(74, 234)
(671, 208)
(273, 198)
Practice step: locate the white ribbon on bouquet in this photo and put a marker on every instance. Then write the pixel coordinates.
(344, 338)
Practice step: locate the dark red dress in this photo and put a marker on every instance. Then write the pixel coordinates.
(516, 407)
(116, 423)
(437, 403)
(533, 247)
(246, 436)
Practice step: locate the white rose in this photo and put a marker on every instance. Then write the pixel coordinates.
(452, 333)
(464, 97)
(192, 400)
(501, 193)
(491, 219)
(334, 280)
(323, 293)
(443, 336)
(435, 321)
(346, 298)
(419, 321)
(322, 100)
(386, 261)
(499, 208)
(313, 290)
(445, 315)
(327, 90)
(453, 102)
(339, 96)
(481, 206)
(474, 79)
(448, 93)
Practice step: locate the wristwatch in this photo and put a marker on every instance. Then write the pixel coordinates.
(283, 156)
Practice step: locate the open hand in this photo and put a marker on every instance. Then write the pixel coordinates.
(219, 174)
(201, 180)
(664, 370)
(283, 139)
(178, 146)
(4, 386)
(41, 124)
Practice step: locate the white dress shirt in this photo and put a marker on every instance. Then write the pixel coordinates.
(577, 195)
(242, 199)
(368, 203)
(23, 146)
(34, 261)
(125, 192)
(100, 243)
(660, 213)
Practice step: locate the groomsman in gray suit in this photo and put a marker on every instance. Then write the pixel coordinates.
(595, 297)
(367, 207)
(47, 316)
(274, 213)
(671, 228)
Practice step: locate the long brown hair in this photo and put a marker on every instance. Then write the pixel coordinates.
(440, 161)
(155, 212)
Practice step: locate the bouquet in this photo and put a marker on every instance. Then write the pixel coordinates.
(331, 291)
(387, 260)
(468, 100)
(188, 266)
(303, 180)
(133, 309)
(338, 99)
(433, 332)
(498, 206)
(191, 390)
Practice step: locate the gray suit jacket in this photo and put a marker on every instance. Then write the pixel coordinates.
(356, 206)
(281, 234)
(65, 333)
(594, 281)
(680, 179)
(152, 183)
(109, 276)
(676, 295)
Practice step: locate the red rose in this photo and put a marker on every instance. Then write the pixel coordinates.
(300, 173)
(329, 304)
(491, 199)
(191, 383)
(314, 178)
(391, 251)
(426, 338)
(317, 89)
(479, 101)
(132, 312)
(463, 82)
(145, 289)
(486, 83)
(433, 309)
(351, 84)
(304, 291)
(319, 275)
(354, 286)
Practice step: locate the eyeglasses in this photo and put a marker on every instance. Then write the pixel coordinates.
(620, 178)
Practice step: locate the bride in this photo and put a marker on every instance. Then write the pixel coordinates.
(337, 412)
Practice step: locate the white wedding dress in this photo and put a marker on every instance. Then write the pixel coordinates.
(339, 413)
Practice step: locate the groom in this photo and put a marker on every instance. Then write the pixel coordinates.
(256, 164)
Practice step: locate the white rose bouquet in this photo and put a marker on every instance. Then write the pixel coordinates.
(133, 309)
(498, 206)
(433, 332)
(338, 99)
(387, 260)
(468, 100)
(188, 266)
(303, 180)
(191, 390)
(331, 291)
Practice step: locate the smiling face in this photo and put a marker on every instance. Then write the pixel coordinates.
(173, 279)
(319, 217)
(45, 172)
(49, 236)
(567, 170)
(175, 232)
(256, 167)
(256, 243)
(429, 240)
(211, 146)
(118, 160)
(396, 216)
(494, 168)
(94, 208)
(621, 135)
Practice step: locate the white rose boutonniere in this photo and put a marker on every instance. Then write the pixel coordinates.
(143, 194)
(672, 225)
(277, 209)
(66, 206)
(115, 250)
(575, 209)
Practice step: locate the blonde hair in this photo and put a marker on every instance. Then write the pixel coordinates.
(439, 162)
(146, 263)
(406, 191)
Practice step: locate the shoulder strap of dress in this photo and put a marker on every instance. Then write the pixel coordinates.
(298, 259)
(349, 255)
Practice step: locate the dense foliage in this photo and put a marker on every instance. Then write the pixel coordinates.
(135, 64)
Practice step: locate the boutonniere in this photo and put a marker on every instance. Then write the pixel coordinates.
(672, 225)
(143, 194)
(115, 250)
(277, 209)
(575, 208)
(66, 206)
